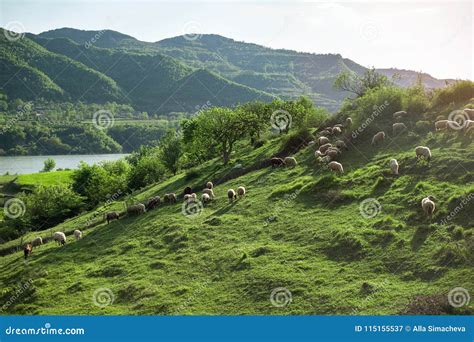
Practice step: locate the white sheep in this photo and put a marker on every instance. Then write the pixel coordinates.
(398, 127)
(336, 167)
(323, 140)
(348, 122)
(324, 147)
(231, 195)
(336, 130)
(187, 197)
(209, 185)
(423, 152)
(77, 234)
(378, 137)
(394, 166)
(241, 191)
(400, 114)
(340, 144)
(318, 154)
(441, 124)
(205, 198)
(290, 161)
(60, 238)
(208, 191)
(38, 241)
(194, 196)
(428, 205)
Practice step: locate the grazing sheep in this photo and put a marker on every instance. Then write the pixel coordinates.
(336, 167)
(441, 124)
(348, 122)
(400, 114)
(394, 166)
(170, 198)
(210, 192)
(60, 238)
(209, 185)
(324, 147)
(194, 196)
(153, 202)
(339, 125)
(428, 205)
(423, 152)
(398, 127)
(378, 137)
(187, 197)
(340, 144)
(336, 130)
(78, 234)
(325, 132)
(136, 209)
(205, 198)
(231, 195)
(38, 241)
(241, 191)
(323, 141)
(290, 161)
(112, 216)
(332, 153)
(188, 190)
(318, 154)
(27, 250)
(276, 162)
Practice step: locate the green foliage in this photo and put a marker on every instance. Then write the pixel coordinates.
(171, 151)
(49, 165)
(360, 84)
(149, 169)
(456, 92)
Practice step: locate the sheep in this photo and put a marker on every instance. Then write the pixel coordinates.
(323, 140)
(336, 167)
(38, 241)
(441, 124)
(78, 234)
(290, 161)
(231, 195)
(111, 216)
(318, 154)
(338, 125)
(332, 153)
(187, 197)
(170, 198)
(60, 238)
(400, 114)
(188, 190)
(210, 192)
(341, 144)
(336, 130)
(324, 147)
(241, 191)
(428, 205)
(205, 198)
(469, 112)
(209, 185)
(398, 127)
(312, 142)
(453, 126)
(276, 162)
(153, 202)
(136, 209)
(325, 132)
(348, 122)
(378, 137)
(394, 166)
(194, 196)
(423, 152)
(27, 250)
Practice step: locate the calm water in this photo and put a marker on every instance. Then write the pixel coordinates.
(31, 164)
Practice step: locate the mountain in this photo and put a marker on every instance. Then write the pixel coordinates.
(406, 78)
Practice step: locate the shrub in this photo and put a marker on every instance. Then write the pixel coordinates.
(49, 165)
(422, 126)
(457, 92)
(147, 171)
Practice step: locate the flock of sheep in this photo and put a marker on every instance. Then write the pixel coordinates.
(327, 152)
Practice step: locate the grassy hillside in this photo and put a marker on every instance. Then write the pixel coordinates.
(298, 228)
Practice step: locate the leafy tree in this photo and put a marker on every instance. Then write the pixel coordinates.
(171, 151)
(148, 170)
(49, 165)
(360, 84)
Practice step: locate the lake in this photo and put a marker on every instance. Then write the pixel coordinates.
(32, 164)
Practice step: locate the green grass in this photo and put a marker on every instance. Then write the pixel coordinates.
(297, 228)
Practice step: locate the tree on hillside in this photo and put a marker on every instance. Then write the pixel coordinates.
(49, 165)
(360, 84)
(223, 127)
(171, 151)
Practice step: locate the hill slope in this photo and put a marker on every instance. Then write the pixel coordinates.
(300, 229)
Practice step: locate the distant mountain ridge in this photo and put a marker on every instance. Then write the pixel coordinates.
(178, 74)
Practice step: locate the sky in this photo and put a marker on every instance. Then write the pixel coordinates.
(428, 36)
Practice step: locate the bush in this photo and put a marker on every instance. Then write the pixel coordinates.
(423, 126)
(457, 92)
(147, 171)
(292, 142)
(49, 165)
